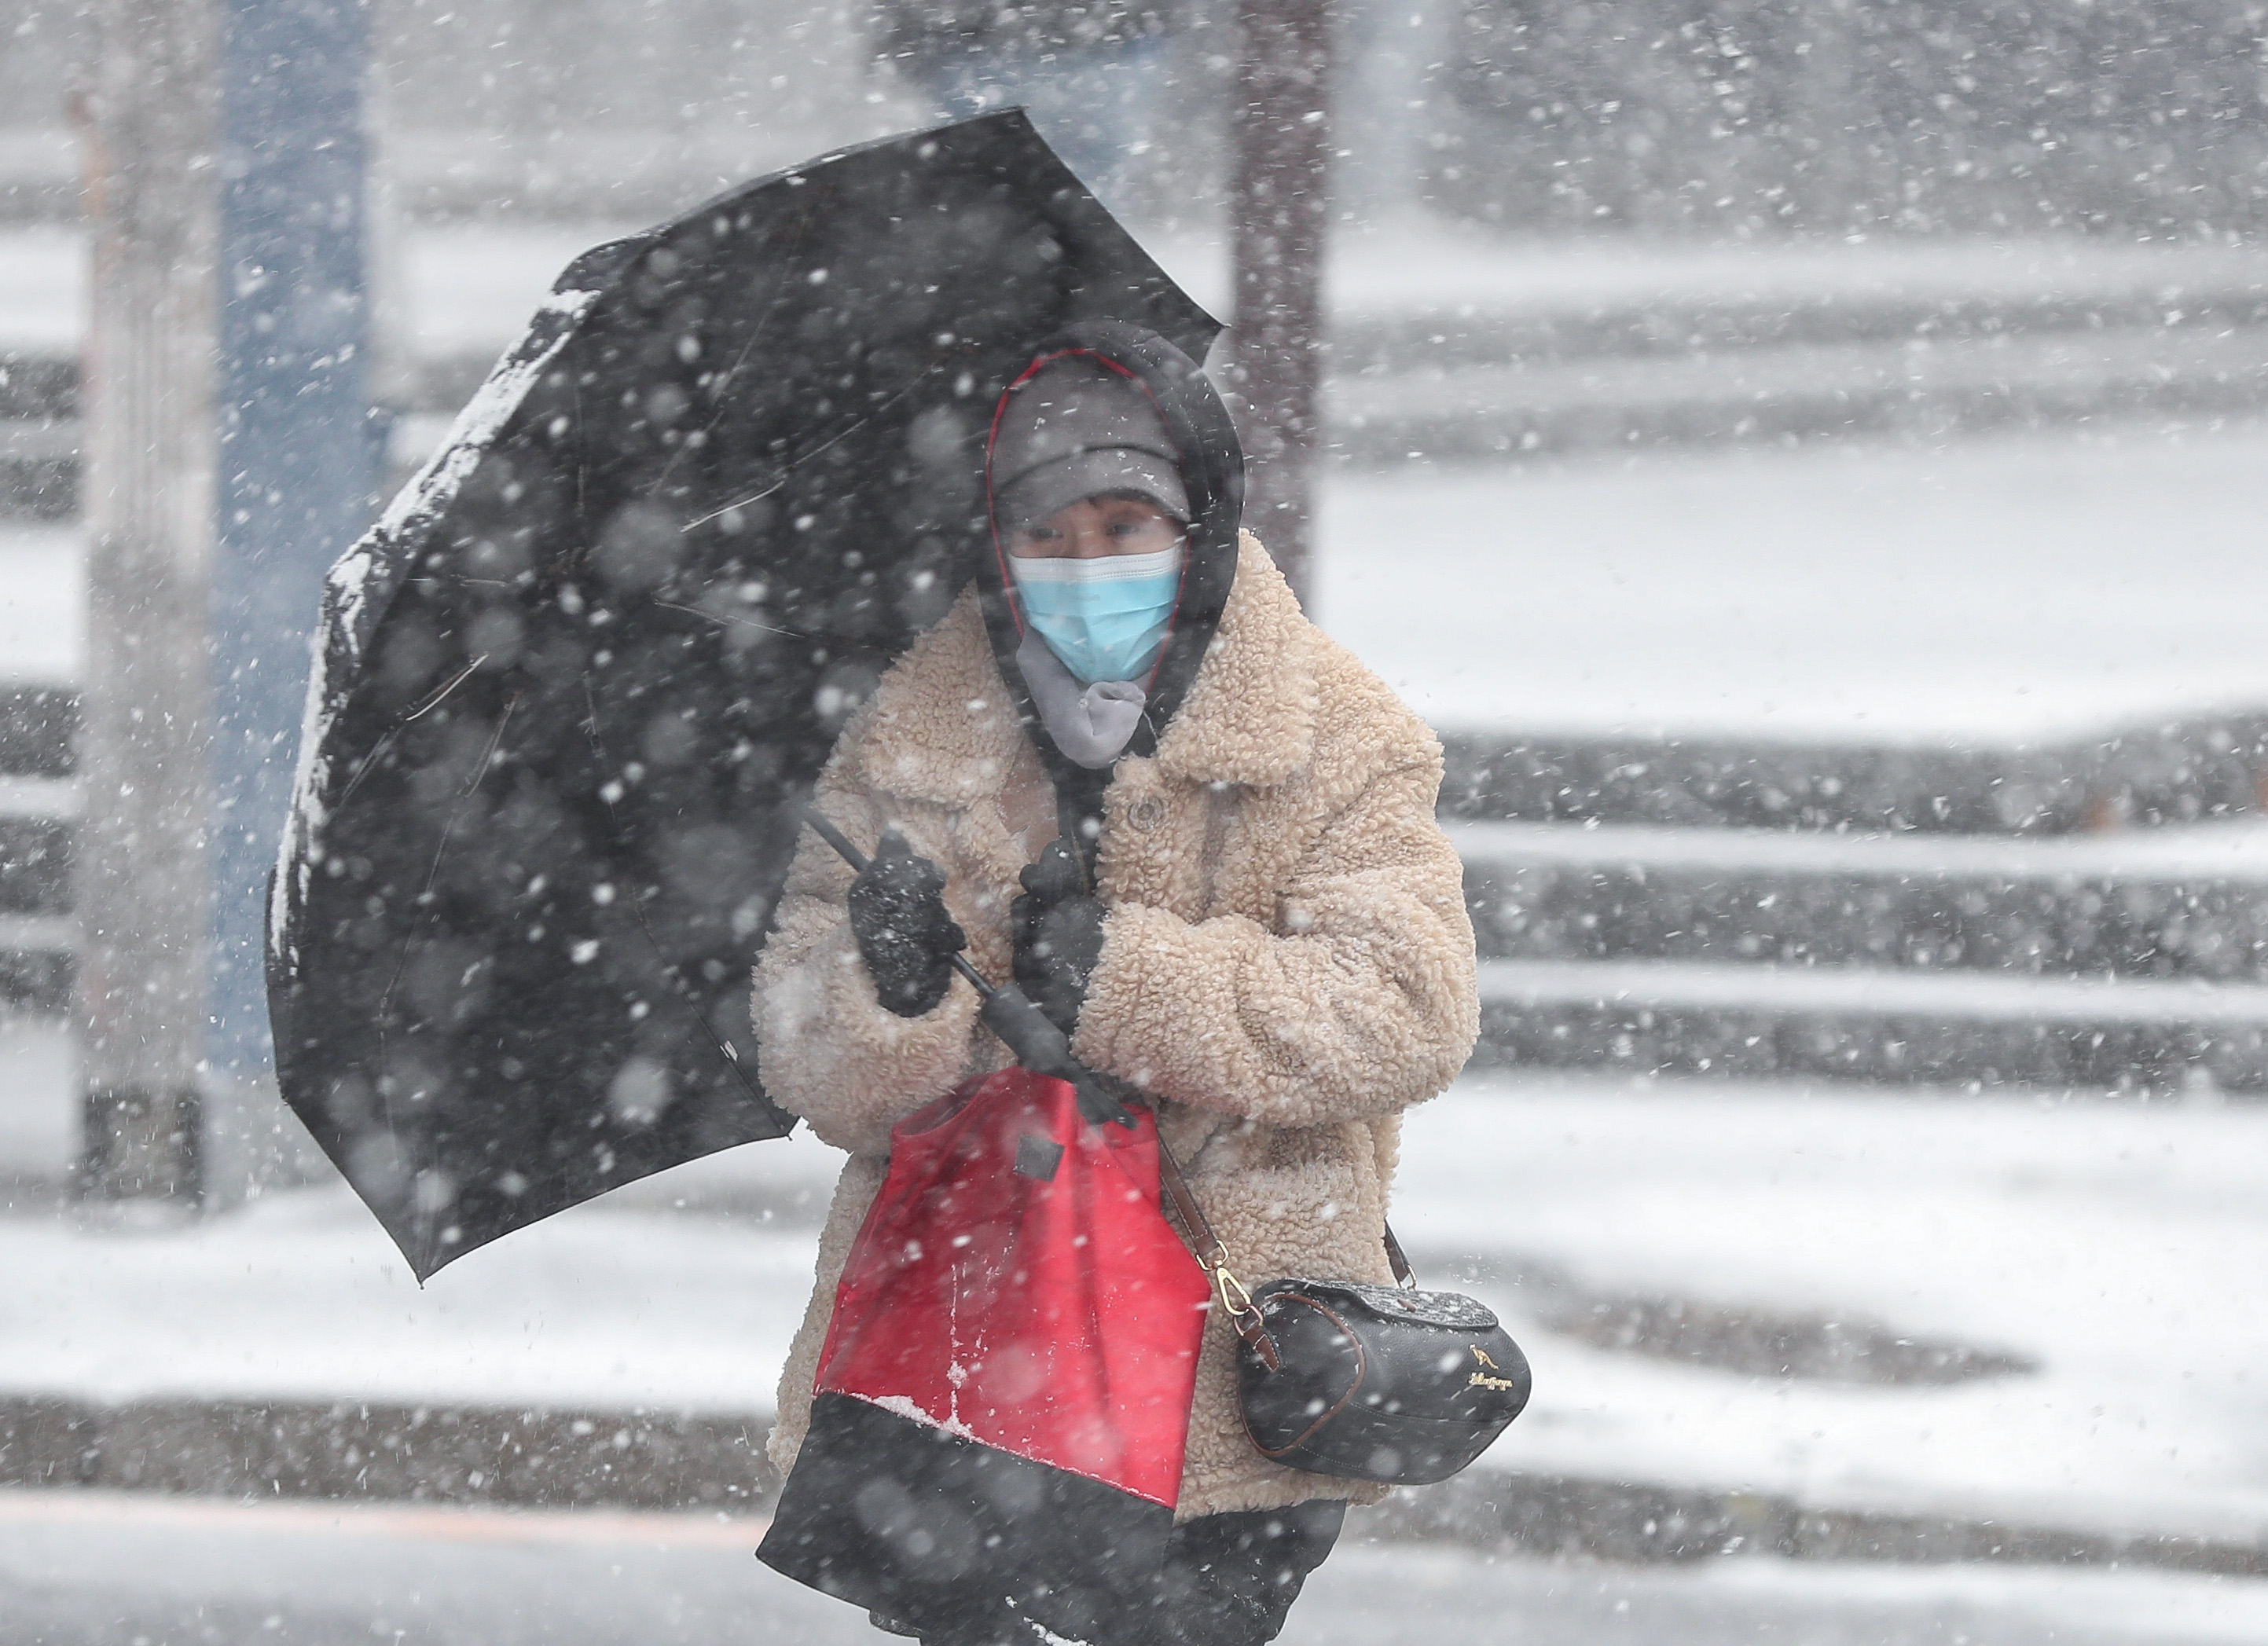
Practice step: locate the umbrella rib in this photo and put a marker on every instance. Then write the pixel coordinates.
(368, 766)
(370, 763)
(740, 503)
(717, 617)
(436, 700)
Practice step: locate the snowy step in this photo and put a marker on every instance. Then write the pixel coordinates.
(38, 433)
(42, 624)
(2185, 901)
(39, 468)
(37, 957)
(38, 384)
(37, 724)
(34, 860)
(1697, 301)
(1925, 386)
(1876, 1023)
(2180, 770)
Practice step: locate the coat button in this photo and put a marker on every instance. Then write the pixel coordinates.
(1146, 813)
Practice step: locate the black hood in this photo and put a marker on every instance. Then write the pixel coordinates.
(1211, 463)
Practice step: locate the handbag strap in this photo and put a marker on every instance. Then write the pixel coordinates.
(1079, 801)
(1212, 1255)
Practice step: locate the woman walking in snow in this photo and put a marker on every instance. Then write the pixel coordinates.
(1126, 770)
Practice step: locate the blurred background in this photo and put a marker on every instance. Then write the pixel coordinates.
(1807, 460)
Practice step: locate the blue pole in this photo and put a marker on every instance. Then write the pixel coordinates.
(300, 451)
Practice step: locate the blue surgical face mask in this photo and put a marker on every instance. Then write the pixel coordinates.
(1107, 618)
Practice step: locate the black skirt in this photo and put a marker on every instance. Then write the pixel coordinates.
(1226, 1580)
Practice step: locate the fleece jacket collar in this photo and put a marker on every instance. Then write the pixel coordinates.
(944, 726)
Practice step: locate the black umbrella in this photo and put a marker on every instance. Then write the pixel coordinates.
(574, 690)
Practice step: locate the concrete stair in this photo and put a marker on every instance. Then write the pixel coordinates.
(38, 805)
(39, 435)
(2130, 961)
(1929, 386)
(2180, 771)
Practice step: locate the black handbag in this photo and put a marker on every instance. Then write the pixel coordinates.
(1371, 1383)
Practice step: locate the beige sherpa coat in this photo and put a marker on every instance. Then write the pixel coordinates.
(1286, 961)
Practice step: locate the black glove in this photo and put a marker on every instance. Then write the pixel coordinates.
(904, 932)
(1058, 929)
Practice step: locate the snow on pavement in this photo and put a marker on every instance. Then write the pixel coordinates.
(92, 1569)
(677, 1293)
(2089, 1000)
(301, 1295)
(2229, 848)
(42, 288)
(2004, 590)
(42, 604)
(1423, 262)
(2119, 1244)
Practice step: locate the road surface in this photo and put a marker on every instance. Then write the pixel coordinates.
(103, 1569)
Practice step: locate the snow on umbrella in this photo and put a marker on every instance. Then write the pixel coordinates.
(572, 690)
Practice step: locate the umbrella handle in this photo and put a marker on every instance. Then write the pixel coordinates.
(824, 828)
(1025, 1030)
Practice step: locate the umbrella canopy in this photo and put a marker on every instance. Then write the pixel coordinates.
(572, 690)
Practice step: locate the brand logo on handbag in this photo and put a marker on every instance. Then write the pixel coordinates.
(1481, 1379)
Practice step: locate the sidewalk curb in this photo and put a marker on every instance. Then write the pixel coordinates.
(672, 1460)
(353, 1449)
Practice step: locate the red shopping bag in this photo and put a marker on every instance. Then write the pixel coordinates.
(1002, 1402)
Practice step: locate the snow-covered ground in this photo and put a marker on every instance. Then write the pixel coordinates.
(42, 288)
(1924, 993)
(92, 1569)
(2224, 849)
(2117, 1245)
(1423, 262)
(42, 604)
(680, 1292)
(2003, 590)
(301, 1295)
